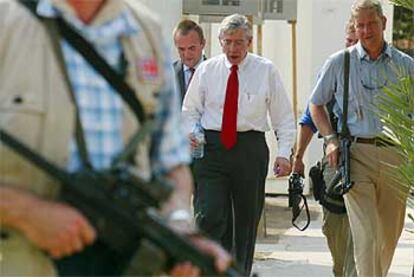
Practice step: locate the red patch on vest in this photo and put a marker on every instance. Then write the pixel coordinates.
(148, 69)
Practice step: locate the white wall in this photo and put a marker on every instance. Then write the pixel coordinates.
(169, 13)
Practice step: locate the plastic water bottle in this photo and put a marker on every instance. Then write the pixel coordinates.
(198, 151)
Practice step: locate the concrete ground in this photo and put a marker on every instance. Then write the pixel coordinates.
(285, 251)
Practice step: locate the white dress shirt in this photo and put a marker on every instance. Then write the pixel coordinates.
(187, 71)
(261, 93)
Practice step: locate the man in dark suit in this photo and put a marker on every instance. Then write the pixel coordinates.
(189, 41)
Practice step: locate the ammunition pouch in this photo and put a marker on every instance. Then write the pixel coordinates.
(317, 182)
(320, 176)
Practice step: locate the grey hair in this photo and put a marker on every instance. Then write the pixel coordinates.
(366, 4)
(234, 22)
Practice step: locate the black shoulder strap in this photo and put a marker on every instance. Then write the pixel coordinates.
(344, 129)
(51, 28)
(115, 79)
(107, 72)
(89, 53)
(30, 5)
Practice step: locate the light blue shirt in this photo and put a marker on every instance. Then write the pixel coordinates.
(367, 80)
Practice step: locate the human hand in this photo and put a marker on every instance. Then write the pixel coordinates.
(281, 167)
(332, 153)
(57, 228)
(222, 259)
(193, 141)
(298, 166)
(185, 270)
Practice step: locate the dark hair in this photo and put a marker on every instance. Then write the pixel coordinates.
(187, 25)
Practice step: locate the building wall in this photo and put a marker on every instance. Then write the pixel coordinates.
(169, 13)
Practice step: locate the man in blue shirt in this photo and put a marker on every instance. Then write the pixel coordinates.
(374, 207)
(335, 226)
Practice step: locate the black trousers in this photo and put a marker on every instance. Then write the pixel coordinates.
(230, 183)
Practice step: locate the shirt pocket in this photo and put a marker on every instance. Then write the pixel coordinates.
(252, 103)
(22, 114)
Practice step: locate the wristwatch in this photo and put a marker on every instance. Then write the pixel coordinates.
(182, 221)
(328, 138)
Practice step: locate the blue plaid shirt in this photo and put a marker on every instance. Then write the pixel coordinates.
(101, 107)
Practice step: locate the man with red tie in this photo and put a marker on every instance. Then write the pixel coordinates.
(231, 96)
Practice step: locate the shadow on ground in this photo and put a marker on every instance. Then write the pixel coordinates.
(277, 219)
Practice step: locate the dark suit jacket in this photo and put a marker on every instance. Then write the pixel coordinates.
(179, 74)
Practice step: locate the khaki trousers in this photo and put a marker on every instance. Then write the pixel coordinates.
(335, 227)
(375, 207)
(336, 230)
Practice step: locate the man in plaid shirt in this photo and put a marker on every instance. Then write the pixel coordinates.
(58, 229)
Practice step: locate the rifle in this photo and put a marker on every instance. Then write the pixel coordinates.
(122, 208)
(341, 183)
(119, 204)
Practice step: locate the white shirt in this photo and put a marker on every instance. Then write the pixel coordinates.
(261, 93)
(187, 71)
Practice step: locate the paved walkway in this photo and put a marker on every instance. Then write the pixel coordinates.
(286, 252)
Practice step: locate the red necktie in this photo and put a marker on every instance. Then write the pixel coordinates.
(229, 122)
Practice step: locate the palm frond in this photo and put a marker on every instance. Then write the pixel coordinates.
(396, 110)
(409, 4)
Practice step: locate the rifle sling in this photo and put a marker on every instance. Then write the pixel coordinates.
(79, 132)
(57, 27)
(33, 157)
(344, 128)
(114, 79)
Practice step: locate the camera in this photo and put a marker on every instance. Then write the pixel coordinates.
(296, 185)
(297, 201)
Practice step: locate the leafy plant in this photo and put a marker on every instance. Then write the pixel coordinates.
(397, 114)
(408, 4)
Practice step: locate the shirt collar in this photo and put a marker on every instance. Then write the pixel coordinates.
(186, 67)
(112, 12)
(363, 55)
(243, 63)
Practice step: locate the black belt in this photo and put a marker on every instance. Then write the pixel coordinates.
(238, 133)
(377, 141)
